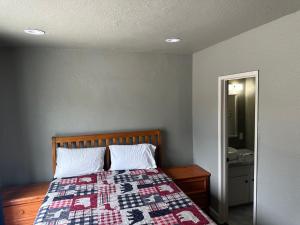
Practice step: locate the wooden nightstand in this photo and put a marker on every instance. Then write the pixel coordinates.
(194, 181)
(21, 204)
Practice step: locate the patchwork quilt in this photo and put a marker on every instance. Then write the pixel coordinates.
(118, 197)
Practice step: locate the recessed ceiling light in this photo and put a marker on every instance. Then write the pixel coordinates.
(173, 40)
(34, 31)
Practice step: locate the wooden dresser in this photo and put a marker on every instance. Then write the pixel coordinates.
(194, 181)
(21, 204)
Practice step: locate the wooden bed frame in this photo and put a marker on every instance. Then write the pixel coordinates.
(106, 139)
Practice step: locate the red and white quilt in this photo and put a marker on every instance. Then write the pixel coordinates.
(119, 197)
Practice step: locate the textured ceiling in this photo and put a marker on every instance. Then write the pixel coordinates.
(135, 25)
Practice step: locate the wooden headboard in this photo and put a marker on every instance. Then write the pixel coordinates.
(101, 140)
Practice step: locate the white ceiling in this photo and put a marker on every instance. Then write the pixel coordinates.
(135, 25)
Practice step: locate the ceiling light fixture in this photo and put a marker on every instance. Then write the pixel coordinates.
(172, 40)
(34, 31)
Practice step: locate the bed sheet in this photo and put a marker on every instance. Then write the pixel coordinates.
(119, 197)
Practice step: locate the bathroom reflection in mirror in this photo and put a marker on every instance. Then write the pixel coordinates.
(240, 151)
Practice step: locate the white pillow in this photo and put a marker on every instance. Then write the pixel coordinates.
(126, 157)
(78, 161)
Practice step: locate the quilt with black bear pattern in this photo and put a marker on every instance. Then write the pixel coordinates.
(118, 197)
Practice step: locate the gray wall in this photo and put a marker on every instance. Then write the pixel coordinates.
(12, 155)
(73, 91)
(274, 49)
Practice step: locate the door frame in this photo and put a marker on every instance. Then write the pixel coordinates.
(222, 144)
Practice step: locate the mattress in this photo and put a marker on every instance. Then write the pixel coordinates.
(119, 197)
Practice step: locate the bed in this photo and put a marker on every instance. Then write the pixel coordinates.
(139, 196)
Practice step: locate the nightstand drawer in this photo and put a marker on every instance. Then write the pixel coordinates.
(193, 185)
(21, 214)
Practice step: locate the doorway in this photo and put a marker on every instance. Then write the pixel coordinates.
(237, 127)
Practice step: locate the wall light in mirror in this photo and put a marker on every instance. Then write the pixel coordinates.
(234, 89)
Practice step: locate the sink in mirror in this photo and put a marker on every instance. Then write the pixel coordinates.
(232, 154)
(239, 156)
